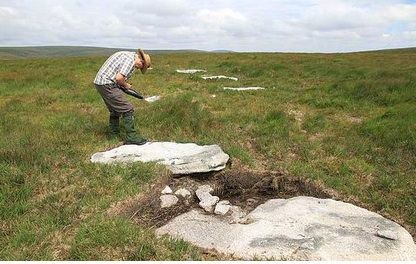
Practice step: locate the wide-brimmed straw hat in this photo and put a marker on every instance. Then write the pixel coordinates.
(145, 58)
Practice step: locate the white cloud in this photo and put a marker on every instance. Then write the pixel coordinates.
(161, 8)
(7, 12)
(264, 25)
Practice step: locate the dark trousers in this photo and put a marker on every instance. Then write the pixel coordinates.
(115, 100)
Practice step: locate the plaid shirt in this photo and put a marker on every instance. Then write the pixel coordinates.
(120, 62)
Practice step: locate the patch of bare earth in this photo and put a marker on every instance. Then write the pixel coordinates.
(243, 188)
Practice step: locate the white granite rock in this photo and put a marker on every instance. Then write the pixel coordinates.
(167, 190)
(222, 207)
(183, 193)
(191, 71)
(243, 88)
(203, 190)
(180, 158)
(168, 200)
(300, 228)
(152, 99)
(208, 203)
(219, 77)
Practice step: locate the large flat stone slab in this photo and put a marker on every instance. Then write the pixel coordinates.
(190, 71)
(219, 77)
(180, 158)
(243, 88)
(300, 228)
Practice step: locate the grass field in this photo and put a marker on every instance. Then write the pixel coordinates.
(345, 120)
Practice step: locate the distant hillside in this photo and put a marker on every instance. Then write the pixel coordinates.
(68, 51)
(398, 50)
(79, 51)
(222, 51)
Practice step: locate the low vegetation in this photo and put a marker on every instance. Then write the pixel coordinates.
(347, 121)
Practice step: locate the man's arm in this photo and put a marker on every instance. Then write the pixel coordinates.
(126, 87)
(121, 80)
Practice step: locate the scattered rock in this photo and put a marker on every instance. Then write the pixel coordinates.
(191, 71)
(222, 207)
(167, 190)
(209, 202)
(300, 228)
(243, 88)
(203, 190)
(219, 77)
(168, 200)
(183, 193)
(180, 158)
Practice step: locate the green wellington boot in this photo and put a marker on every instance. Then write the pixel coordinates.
(114, 124)
(132, 137)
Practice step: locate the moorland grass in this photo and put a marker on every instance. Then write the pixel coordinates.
(346, 120)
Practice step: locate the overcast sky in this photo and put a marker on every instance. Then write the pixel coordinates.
(239, 25)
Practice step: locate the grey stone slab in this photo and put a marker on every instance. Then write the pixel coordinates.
(190, 71)
(180, 158)
(243, 88)
(219, 77)
(300, 228)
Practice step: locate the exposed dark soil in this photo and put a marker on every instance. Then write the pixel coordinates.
(246, 189)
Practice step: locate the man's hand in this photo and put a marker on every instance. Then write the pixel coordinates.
(121, 81)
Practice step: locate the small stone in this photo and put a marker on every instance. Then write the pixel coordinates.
(167, 190)
(222, 207)
(168, 200)
(388, 234)
(203, 191)
(183, 193)
(208, 203)
(204, 196)
(204, 188)
(251, 201)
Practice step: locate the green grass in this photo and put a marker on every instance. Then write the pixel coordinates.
(347, 120)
